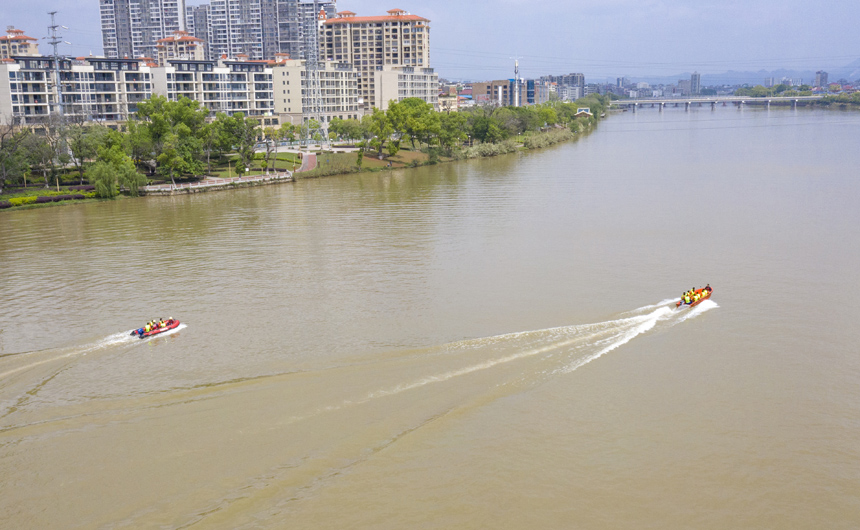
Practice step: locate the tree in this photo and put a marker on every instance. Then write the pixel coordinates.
(393, 147)
(39, 154)
(271, 136)
(138, 143)
(213, 140)
(349, 129)
(179, 154)
(83, 142)
(379, 125)
(547, 115)
(122, 167)
(54, 130)
(182, 122)
(288, 132)
(102, 176)
(170, 161)
(486, 129)
(452, 129)
(13, 161)
(413, 118)
(242, 133)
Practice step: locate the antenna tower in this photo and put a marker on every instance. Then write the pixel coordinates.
(516, 81)
(313, 108)
(55, 41)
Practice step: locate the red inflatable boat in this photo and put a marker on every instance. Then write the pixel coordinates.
(704, 293)
(168, 325)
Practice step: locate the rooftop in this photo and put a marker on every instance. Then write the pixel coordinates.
(394, 15)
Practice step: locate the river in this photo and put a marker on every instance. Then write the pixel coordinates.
(481, 344)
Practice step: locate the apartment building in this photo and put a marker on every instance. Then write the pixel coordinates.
(132, 28)
(197, 25)
(372, 43)
(180, 45)
(16, 43)
(499, 92)
(258, 28)
(396, 83)
(90, 89)
(221, 86)
(338, 87)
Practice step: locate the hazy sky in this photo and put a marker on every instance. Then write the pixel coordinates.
(602, 38)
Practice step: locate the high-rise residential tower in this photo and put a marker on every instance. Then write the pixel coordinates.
(259, 29)
(132, 28)
(379, 45)
(197, 24)
(695, 83)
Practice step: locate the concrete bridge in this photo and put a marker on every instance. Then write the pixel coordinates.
(713, 101)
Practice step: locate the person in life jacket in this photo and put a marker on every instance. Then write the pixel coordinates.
(687, 298)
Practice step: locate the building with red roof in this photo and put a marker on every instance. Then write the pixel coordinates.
(180, 45)
(380, 46)
(15, 43)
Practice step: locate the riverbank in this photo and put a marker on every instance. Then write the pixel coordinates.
(329, 163)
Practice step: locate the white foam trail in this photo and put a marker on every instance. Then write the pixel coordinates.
(646, 325)
(620, 331)
(115, 339)
(698, 310)
(661, 303)
(639, 325)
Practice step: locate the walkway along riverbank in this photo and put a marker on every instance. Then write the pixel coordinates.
(216, 184)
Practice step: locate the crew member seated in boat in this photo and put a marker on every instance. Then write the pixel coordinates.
(687, 298)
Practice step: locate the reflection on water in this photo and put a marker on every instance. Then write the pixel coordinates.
(355, 352)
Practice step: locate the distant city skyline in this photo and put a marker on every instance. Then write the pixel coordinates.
(604, 39)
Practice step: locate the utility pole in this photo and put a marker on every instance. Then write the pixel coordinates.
(55, 41)
(313, 108)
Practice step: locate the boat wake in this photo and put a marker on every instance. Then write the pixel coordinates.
(553, 351)
(40, 357)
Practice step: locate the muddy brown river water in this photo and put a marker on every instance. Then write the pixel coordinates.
(483, 344)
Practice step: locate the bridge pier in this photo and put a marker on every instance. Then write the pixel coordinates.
(686, 106)
(634, 107)
(794, 104)
(713, 105)
(661, 106)
(768, 104)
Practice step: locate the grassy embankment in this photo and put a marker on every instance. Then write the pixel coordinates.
(343, 163)
(328, 163)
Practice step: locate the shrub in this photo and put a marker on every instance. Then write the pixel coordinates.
(20, 201)
(433, 155)
(488, 149)
(82, 188)
(5, 204)
(548, 138)
(43, 200)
